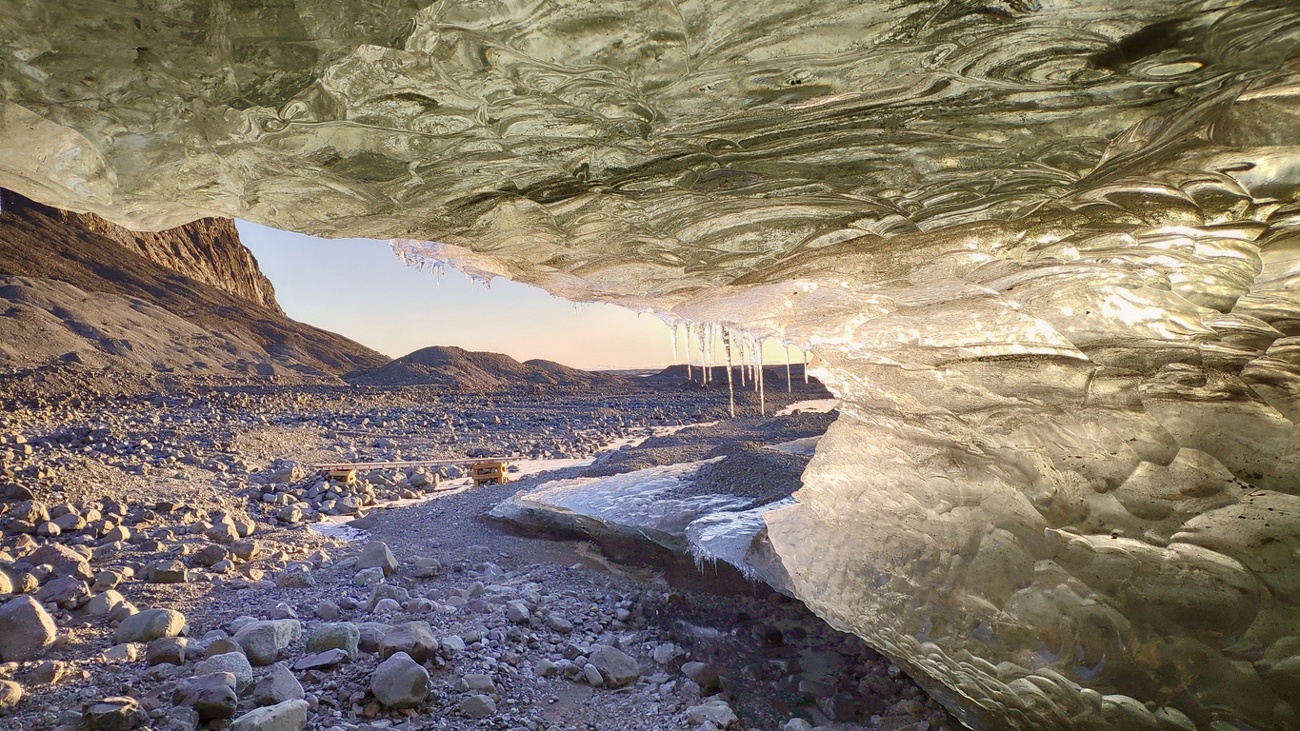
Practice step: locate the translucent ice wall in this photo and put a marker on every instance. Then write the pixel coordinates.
(1047, 252)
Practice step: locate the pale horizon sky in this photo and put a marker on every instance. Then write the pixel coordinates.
(359, 289)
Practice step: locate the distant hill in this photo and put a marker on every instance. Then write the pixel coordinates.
(460, 369)
(188, 301)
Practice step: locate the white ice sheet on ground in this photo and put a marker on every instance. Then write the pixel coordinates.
(805, 447)
(336, 526)
(642, 503)
(811, 406)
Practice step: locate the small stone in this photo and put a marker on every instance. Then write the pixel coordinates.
(479, 682)
(321, 660)
(368, 577)
(277, 686)
(517, 612)
(10, 694)
(559, 624)
(327, 610)
(26, 629)
(150, 625)
(102, 603)
(212, 695)
(125, 652)
(592, 675)
(616, 667)
(299, 578)
(478, 706)
(414, 639)
(231, 662)
(264, 641)
(377, 555)
(342, 635)
(797, 724)
(286, 716)
(114, 714)
(717, 713)
(704, 675)
(168, 650)
(400, 682)
(168, 572)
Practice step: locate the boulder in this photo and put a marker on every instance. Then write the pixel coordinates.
(62, 560)
(412, 638)
(26, 629)
(114, 714)
(231, 662)
(400, 682)
(286, 716)
(264, 641)
(212, 695)
(10, 694)
(150, 625)
(277, 686)
(342, 635)
(478, 706)
(616, 667)
(377, 555)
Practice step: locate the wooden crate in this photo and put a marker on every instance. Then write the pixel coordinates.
(489, 472)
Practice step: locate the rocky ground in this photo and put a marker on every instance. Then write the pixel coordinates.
(159, 570)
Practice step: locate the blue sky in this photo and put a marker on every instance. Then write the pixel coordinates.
(358, 288)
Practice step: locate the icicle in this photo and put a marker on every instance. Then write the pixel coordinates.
(762, 404)
(699, 341)
(805, 366)
(689, 329)
(675, 359)
(708, 353)
(789, 383)
(731, 389)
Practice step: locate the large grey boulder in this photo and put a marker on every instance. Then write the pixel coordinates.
(26, 629)
(400, 682)
(264, 641)
(149, 625)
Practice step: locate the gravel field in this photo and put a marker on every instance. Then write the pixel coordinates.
(159, 570)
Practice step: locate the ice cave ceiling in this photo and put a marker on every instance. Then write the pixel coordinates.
(1048, 252)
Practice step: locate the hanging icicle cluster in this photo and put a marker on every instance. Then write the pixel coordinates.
(742, 353)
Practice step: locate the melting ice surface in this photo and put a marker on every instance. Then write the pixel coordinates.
(651, 504)
(1046, 253)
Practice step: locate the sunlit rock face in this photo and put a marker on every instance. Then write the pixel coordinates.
(1047, 253)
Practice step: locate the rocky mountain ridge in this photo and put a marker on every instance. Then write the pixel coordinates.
(189, 300)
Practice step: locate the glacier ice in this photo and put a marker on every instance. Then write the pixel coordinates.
(1046, 253)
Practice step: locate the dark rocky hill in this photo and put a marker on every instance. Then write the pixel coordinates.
(461, 369)
(190, 300)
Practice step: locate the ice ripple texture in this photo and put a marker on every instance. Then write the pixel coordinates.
(1047, 252)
